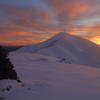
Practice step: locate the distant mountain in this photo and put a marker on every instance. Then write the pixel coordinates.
(69, 49)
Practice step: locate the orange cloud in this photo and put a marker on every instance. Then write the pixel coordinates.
(30, 25)
(91, 33)
(72, 8)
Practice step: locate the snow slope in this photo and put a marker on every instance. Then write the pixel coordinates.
(69, 49)
(50, 80)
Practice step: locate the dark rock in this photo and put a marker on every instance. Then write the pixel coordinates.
(6, 67)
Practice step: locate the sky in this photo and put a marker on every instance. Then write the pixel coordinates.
(24, 22)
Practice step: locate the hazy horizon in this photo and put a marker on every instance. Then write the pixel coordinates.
(19, 45)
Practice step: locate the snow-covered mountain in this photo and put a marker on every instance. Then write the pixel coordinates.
(69, 49)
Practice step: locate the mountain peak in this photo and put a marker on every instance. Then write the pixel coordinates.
(62, 34)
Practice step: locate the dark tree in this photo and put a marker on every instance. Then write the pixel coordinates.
(6, 67)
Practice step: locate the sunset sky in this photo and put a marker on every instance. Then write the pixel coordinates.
(25, 22)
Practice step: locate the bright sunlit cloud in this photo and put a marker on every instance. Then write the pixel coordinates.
(95, 40)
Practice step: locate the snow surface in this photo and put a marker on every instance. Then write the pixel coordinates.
(72, 49)
(51, 71)
(50, 80)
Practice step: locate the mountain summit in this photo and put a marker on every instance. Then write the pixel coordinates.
(68, 48)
